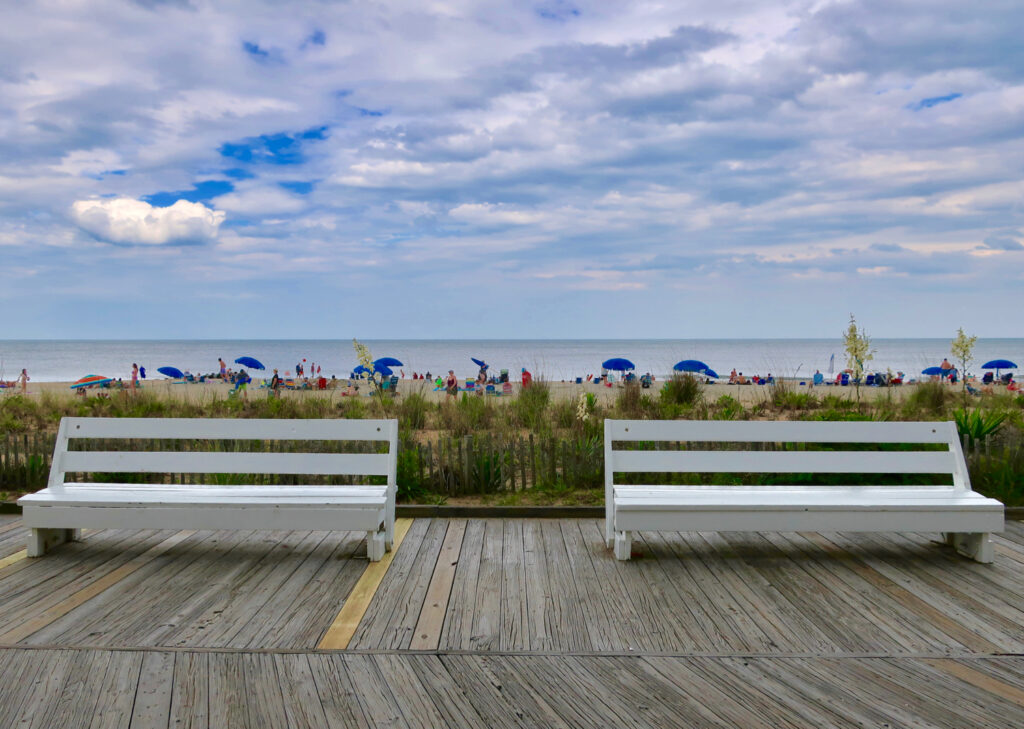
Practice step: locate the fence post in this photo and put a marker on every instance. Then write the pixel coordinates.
(522, 461)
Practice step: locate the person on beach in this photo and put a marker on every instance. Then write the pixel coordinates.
(527, 377)
(135, 377)
(275, 384)
(451, 384)
(23, 379)
(223, 367)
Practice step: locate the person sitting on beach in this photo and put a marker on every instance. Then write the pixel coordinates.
(741, 380)
(451, 384)
(733, 377)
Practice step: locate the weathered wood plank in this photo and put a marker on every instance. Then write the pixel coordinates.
(120, 683)
(514, 630)
(305, 605)
(341, 631)
(486, 627)
(458, 624)
(153, 697)
(537, 594)
(565, 620)
(302, 704)
(338, 694)
(427, 634)
(377, 617)
(69, 603)
(229, 694)
(190, 693)
(138, 604)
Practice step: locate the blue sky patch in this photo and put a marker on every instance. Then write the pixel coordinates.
(297, 186)
(253, 49)
(933, 101)
(275, 149)
(237, 173)
(201, 192)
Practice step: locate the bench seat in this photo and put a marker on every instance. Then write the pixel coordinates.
(963, 516)
(774, 508)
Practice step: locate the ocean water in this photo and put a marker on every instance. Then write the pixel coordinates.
(67, 360)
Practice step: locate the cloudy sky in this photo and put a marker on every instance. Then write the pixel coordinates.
(558, 168)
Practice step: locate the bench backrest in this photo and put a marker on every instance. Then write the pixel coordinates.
(191, 429)
(694, 460)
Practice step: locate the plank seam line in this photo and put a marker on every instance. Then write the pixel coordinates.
(513, 654)
(340, 633)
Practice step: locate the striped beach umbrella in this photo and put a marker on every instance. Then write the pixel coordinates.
(90, 380)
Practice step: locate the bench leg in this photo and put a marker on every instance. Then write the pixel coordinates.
(40, 541)
(389, 535)
(623, 545)
(976, 546)
(609, 533)
(375, 546)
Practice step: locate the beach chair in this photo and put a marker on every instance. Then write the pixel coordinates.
(506, 388)
(818, 378)
(845, 379)
(869, 380)
(490, 390)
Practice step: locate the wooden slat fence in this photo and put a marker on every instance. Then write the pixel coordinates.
(476, 464)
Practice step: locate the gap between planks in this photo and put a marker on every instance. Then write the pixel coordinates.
(344, 626)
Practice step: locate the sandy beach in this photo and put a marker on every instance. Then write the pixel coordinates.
(200, 392)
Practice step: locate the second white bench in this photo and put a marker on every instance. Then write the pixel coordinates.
(964, 517)
(58, 512)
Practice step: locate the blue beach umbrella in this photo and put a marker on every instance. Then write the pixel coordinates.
(618, 364)
(711, 373)
(999, 364)
(479, 362)
(383, 369)
(360, 370)
(171, 372)
(250, 362)
(691, 365)
(387, 362)
(932, 371)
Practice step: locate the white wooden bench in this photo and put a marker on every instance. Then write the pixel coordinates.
(57, 513)
(964, 517)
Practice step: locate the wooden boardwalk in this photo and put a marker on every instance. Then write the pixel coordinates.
(511, 623)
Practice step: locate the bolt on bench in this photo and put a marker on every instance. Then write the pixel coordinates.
(57, 513)
(964, 517)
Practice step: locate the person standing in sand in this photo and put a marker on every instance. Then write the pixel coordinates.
(451, 384)
(135, 377)
(223, 367)
(23, 379)
(275, 385)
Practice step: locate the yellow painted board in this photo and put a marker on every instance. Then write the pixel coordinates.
(16, 557)
(344, 626)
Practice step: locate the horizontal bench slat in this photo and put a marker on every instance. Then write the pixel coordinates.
(330, 464)
(230, 429)
(777, 432)
(370, 496)
(782, 461)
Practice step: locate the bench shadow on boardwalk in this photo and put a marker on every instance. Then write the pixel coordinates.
(510, 622)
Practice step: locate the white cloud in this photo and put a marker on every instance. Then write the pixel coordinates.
(124, 220)
(487, 214)
(260, 201)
